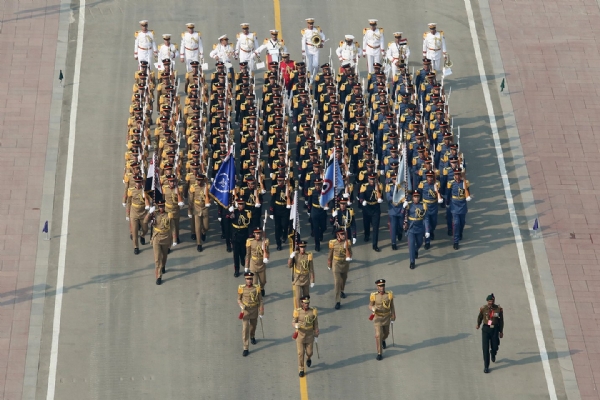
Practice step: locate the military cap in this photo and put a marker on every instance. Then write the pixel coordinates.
(341, 231)
(380, 282)
(490, 297)
(372, 175)
(240, 201)
(457, 170)
(280, 177)
(411, 106)
(200, 175)
(138, 178)
(302, 243)
(168, 166)
(416, 193)
(194, 63)
(257, 230)
(305, 299)
(144, 22)
(248, 274)
(243, 64)
(160, 203)
(171, 177)
(430, 173)
(318, 180)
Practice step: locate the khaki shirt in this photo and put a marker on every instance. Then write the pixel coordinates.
(171, 200)
(255, 254)
(307, 324)
(198, 199)
(251, 299)
(338, 254)
(303, 268)
(383, 304)
(161, 233)
(138, 198)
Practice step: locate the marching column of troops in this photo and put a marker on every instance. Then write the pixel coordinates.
(391, 134)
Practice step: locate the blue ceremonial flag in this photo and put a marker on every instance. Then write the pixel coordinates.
(224, 181)
(332, 179)
(536, 225)
(45, 228)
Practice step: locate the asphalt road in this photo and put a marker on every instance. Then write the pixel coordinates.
(123, 337)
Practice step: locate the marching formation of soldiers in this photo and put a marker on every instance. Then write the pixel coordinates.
(390, 136)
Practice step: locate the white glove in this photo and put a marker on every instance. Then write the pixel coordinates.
(257, 205)
(325, 208)
(349, 203)
(440, 201)
(189, 215)
(126, 218)
(427, 234)
(181, 204)
(230, 208)
(288, 206)
(124, 204)
(246, 270)
(345, 195)
(219, 219)
(329, 268)
(296, 326)
(316, 340)
(353, 240)
(261, 316)
(468, 198)
(392, 322)
(380, 201)
(265, 260)
(405, 204)
(207, 205)
(147, 207)
(312, 285)
(308, 213)
(263, 191)
(174, 244)
(317, 141)
(348, 259)
(293, 254)
(270, 216)
(334, 213)
(364, 203)
(241, 307)
(152, 209)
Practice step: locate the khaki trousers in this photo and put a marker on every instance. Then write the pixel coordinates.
(248, 330)
(303, 348)
(136, 218)
(200, 226)
(161, 249)
(339, 282)
(381, 333)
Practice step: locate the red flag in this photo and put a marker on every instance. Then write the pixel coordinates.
(371, 317)
(295, 335)
(241, 316)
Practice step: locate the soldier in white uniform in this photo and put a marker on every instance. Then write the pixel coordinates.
(191, 47)
(167, 50)
(274, 47)
(373, 44)
(309, 50)
(246, 45)
(223, 51)
(348, 52)
(434, 47)
(145, 46)
(397, 52)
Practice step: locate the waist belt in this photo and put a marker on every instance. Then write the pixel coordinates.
(198, 202)
(139, 205)
(250, 304)
(376, 47)
(382, 313)
(429, 201)
(187, 48)
(310, 44)
(433, 49)
(372, 203)
(415, 219)
(256, 258)
(340, 258)
(300, 272)
(316, 205)
(247, 51)
(281, 203)
(306, 328)
(171, 205)
(239, 226)
(142, 48)
(458, 198)
(159, 230)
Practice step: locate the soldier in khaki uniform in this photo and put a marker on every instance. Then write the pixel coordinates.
(173, 201)
(199, 201)
(305, 322)
(251, 303)
(381, 304)
(160, 238)
(340, 255)
(130, 173)
(492, 317)
(303, 272)
(139, 204)
(257, 258)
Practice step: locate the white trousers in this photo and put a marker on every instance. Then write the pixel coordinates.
(145, 55)
(312, 64)
(372, 59)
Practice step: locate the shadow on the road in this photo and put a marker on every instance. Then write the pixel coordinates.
(535, 358)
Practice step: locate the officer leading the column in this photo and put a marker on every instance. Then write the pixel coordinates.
(491, 316)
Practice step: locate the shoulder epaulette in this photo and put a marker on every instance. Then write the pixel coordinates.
(365, 31)
(135, 34)
(441, 33)
(302, 31)
(315, 311)
(237, 36)
(310, 256)
(249, 242)
(319, 28)
(425, 34)
(390, 294)
(241, 289)
(332, 243)
(381, 29)
(214, 46)
(182, 35)
(341, 43)
(372, 297)
(266, 40)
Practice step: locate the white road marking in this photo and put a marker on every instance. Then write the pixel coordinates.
(511, 206)
(66, 206)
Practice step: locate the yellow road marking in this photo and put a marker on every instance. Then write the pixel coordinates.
(303, 389)
(277, 16)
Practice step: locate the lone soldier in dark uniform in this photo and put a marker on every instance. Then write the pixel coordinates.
(240, 220)
(251, 304)
(305, 322)
(491, 315)
(381, 304)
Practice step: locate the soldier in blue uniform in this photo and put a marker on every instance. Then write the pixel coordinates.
(416, 224)
(458, 191)
(394, 210)
(431, 197)
(371, 198)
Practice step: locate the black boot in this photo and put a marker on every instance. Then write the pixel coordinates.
(253, 340)
(159, 281)
(245, 353)
(163, 270)
(412, 265)
(203, 237)
(456, 246)
(308, 363)
(199, 248)
(383, 344)
(136, 251)
(427, 246)
(262, 292)
(193, 236)
(143, 240)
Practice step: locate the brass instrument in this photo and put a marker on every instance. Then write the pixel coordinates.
(447, 62)
(316, 40)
